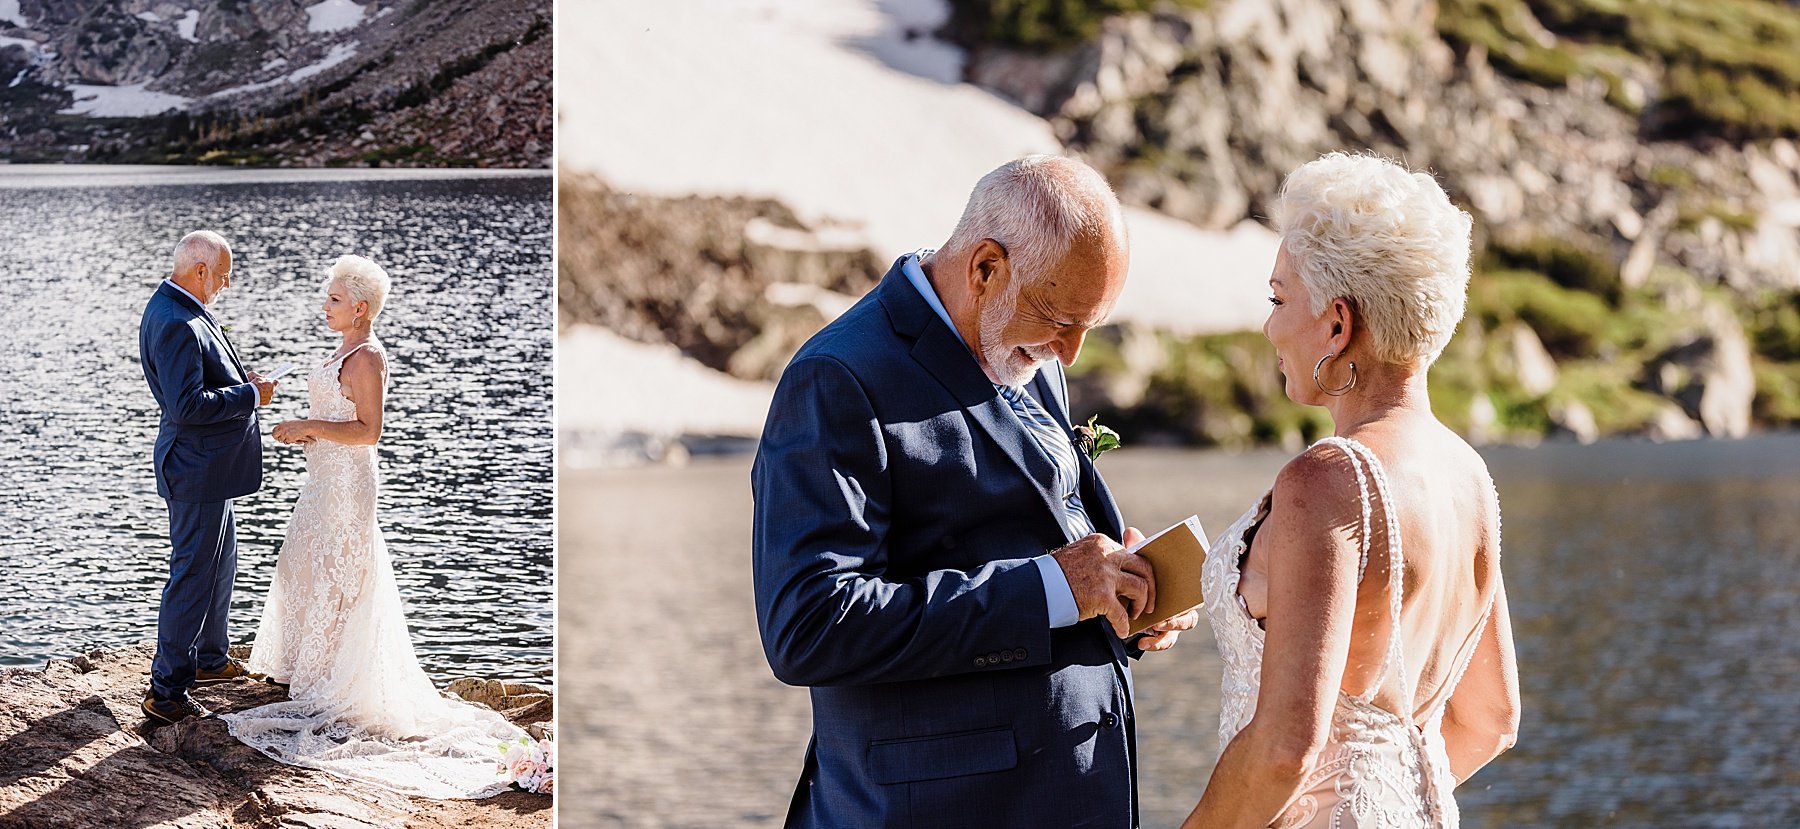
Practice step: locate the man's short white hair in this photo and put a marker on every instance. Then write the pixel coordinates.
(363, 280)
(1036, 207)
(1365, 229)
(202, 247)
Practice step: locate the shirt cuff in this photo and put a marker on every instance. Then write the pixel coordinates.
(1059, 600)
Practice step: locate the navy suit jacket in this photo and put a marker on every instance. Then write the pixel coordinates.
(209, 445)
(898, 505)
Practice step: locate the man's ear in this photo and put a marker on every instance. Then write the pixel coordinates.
(989, 268)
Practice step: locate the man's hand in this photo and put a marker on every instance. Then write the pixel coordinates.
(265, 388)
(1162, 635)
(1107, 581)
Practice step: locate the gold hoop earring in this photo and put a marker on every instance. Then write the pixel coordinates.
(1340, 390)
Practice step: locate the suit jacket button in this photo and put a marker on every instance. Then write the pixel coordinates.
(980, 661)
(994, 658)
(1019, 655)
(1006, 656)
(1109, 720)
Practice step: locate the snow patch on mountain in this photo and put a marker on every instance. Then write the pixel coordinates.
(187, 24)
(339, 53)
(9, 13)
(334, 16)
(134, 101)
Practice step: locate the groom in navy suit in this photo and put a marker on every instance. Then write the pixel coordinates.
(208, 451)
(933, 555)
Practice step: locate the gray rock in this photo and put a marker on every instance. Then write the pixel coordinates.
(1574, 419)
(1671, 423)
(1532, 364)
(78, 753)
(1709, 374)
(737, 284)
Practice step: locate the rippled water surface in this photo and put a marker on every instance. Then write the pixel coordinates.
(1655, 592)
(466, 453)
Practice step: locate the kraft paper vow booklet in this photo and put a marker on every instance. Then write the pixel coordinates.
(1176, 554)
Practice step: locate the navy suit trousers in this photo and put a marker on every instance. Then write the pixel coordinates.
(190, 627)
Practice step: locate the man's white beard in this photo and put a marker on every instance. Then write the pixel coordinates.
(1009, 367)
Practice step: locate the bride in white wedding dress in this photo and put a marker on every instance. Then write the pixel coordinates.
(333, 629)
(1359, 606)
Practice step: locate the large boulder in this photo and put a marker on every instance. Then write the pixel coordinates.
(1708, 372)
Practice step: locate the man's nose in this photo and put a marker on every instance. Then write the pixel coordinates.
(1067, 345)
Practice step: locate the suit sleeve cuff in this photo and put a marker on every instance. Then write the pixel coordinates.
(1059, 600)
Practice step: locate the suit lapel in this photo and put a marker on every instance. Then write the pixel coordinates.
(944, 356)
(235, 359)
(200, 311)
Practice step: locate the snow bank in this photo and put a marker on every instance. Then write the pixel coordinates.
(121, 101)
(338, 54)
(9, 13)
(827, 106)
(611, 391)
(334, 16)
(187, 25)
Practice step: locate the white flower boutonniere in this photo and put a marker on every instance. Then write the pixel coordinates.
(1096, 439)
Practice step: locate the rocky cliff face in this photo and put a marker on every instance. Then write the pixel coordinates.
(75, 752)
(1587, 207)
(418, 82)
(1200, 114)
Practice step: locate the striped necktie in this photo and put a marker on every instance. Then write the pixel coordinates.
(1051, 438)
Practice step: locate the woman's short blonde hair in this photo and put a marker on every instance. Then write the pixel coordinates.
(364, 280)
(1387, 239)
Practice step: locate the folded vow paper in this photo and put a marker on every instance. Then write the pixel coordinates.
(1176, 554)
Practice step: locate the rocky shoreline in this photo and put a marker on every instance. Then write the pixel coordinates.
(76, 751)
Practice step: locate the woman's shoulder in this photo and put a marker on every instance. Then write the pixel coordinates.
(368, 357)
(1326, 470)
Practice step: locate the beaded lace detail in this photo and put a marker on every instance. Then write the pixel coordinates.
(1378, 768)
(333, 628)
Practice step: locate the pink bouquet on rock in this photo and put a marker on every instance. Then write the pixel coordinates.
(529, 764)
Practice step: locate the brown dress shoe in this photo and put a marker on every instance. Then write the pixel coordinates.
(232, 669)
(172, 711)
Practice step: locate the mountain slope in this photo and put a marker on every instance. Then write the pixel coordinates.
(288, 82)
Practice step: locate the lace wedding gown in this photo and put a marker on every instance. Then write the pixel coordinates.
(1378, 768)
(359, 705)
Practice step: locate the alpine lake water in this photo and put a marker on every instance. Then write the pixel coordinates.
(466, 457)
(1655, 593)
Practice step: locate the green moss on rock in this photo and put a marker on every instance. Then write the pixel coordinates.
(1042, 25)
